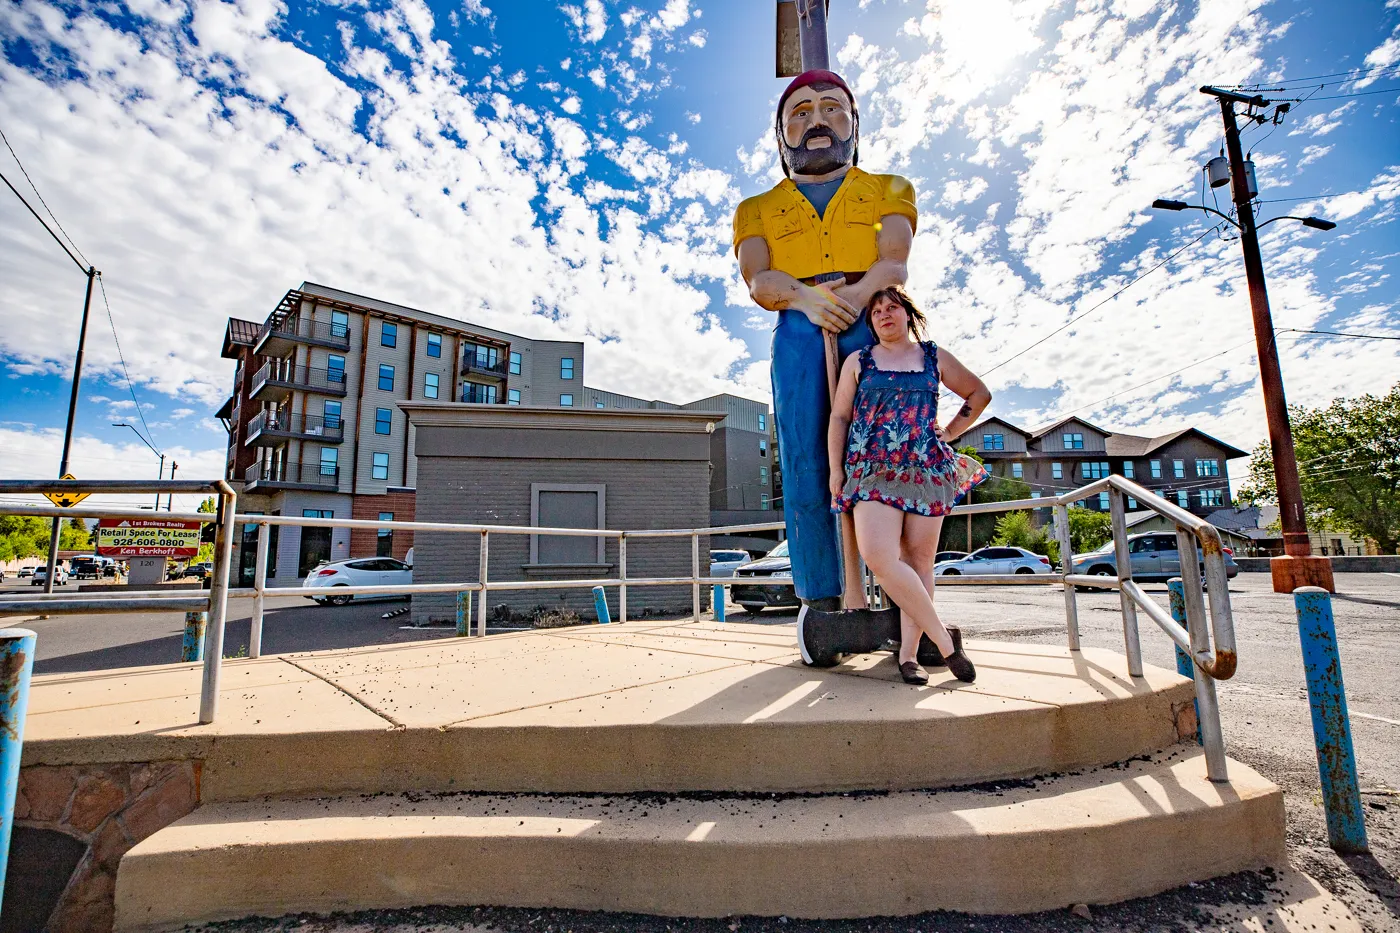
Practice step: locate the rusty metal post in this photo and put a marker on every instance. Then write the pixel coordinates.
(1177, 595)
(218, 604)
(1060, 518)
(1132, 642)
(16, 666)
(192, 648)
(464, 613)
(1336, 761)
(481, 576)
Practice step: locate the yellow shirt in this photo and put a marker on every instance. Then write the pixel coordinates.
(803, 244)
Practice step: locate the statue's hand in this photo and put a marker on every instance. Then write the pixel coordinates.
(824, 308)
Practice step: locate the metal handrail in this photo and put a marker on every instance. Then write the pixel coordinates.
(1195, 638)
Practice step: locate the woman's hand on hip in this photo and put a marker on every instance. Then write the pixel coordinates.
(836, 482)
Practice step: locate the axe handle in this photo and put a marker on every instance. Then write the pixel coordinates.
(853, 586)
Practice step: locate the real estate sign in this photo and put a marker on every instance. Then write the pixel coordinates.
(147, 537)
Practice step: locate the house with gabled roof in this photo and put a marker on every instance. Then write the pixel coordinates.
(1186, 467)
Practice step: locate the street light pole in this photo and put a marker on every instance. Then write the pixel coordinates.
(170, 496)
(1298, 566)
(68, 430)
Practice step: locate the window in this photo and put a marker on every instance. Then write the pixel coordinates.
(762, 421)
(335, 369)
(567, 505)
(763, 447)
(330, 414)
(435, 346)
(1128, 469)
(1179, 469)
(330, 461)
(1074, 441)
(763, 500)
(1103, 502)
(386, 377)
(763, 475)
(512, 396)
(1091, 470)
(1057, 471)
(1017, 470)
(388, 334)
(515, 364)
(600, 404)
(430, 385)
(1212, 498)
(476, 392)
(381, 466)
(1183, 498)
(566, 400)
(1132, 503)
(340, 324)
(481, 357)
(383, 421)
(384, 537)
(566, 368)
(1156, 468)
(1207, 467)
(993, 441)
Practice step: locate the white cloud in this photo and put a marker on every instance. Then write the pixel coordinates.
(964, 191)
(1312, 154)
(1320, 124)
(591, 20)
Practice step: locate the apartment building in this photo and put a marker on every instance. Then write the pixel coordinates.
(316, 429)
(1187, 467)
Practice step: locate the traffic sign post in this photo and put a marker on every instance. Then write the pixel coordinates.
(66, 500)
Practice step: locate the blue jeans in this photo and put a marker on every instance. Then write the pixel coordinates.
(803, 410)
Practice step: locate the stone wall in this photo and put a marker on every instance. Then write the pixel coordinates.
(76, 822)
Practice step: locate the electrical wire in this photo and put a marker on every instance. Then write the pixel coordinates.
(1384, 90)
(1355, 74)
(112, 321)
(1334, 333)
(44, 224)
(41, 197)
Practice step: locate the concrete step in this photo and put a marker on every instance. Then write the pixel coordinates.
(1098, 836)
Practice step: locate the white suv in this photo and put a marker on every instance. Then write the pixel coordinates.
(41, 576)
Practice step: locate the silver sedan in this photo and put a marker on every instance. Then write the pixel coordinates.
(995, 559)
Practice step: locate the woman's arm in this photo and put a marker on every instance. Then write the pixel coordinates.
(974, 392)
(840, 425)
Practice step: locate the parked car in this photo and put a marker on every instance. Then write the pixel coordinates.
(941, 556)
(201, 570)
(994, 559)
(93, 568)
(26, 572)
(749, 591)
(1154, 558)
(359, 571)
(724, 563)
(41, 576)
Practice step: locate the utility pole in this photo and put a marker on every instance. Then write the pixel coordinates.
(1298, 566)
(68, 431)
(801, 34)
(170, 496)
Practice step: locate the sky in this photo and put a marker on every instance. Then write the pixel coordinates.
(570, 171)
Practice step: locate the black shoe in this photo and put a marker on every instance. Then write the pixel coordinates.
(821, 637)
(824, 603)
(961, 667)
(929, 655)
(911, 673)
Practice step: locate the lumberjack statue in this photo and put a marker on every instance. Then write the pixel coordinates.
(815, 249)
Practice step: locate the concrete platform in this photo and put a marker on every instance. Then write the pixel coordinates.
(1094, 837)
(612, 709)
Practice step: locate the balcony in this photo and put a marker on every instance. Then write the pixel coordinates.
(277, 379)
(292, 475)
(483, 366)
(482, 395)
(273, 429)
(278, 337)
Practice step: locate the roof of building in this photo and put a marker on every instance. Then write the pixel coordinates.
(1041, 432)
(1001, 421)
(240, 333)
(1133, 445)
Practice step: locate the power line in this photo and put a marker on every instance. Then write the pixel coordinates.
(110, 320)
(1355, 74)
(41, 197)
(1334, 333)
(64, 246)
(1384, 90)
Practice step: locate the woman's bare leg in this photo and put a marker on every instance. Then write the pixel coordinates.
(918, 545)
(880, 534)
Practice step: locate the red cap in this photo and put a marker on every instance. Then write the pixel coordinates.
(812, 77)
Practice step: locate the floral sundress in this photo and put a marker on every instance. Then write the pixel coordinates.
(893, 453)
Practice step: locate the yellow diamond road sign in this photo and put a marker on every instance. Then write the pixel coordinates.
(66, 500)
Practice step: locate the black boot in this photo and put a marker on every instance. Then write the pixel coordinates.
(930, 656)
(821, 637)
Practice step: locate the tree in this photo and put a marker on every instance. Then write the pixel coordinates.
(74, 536)
(22, 536)
(1017, 529)
(1348, 465)
(1088, 529)
(994, 489)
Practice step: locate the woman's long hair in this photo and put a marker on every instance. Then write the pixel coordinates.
(917, 321)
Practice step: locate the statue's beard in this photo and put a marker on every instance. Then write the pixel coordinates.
(804, 161)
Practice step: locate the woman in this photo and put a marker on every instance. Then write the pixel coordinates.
(890, 463)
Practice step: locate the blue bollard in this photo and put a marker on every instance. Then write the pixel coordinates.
(16, 664)
(192, 649)
(1184, 666)
(1336, 762)
(600, 603)
(718, 602)
(464, 613)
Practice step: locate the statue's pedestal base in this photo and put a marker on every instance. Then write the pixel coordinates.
(1291, 572)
